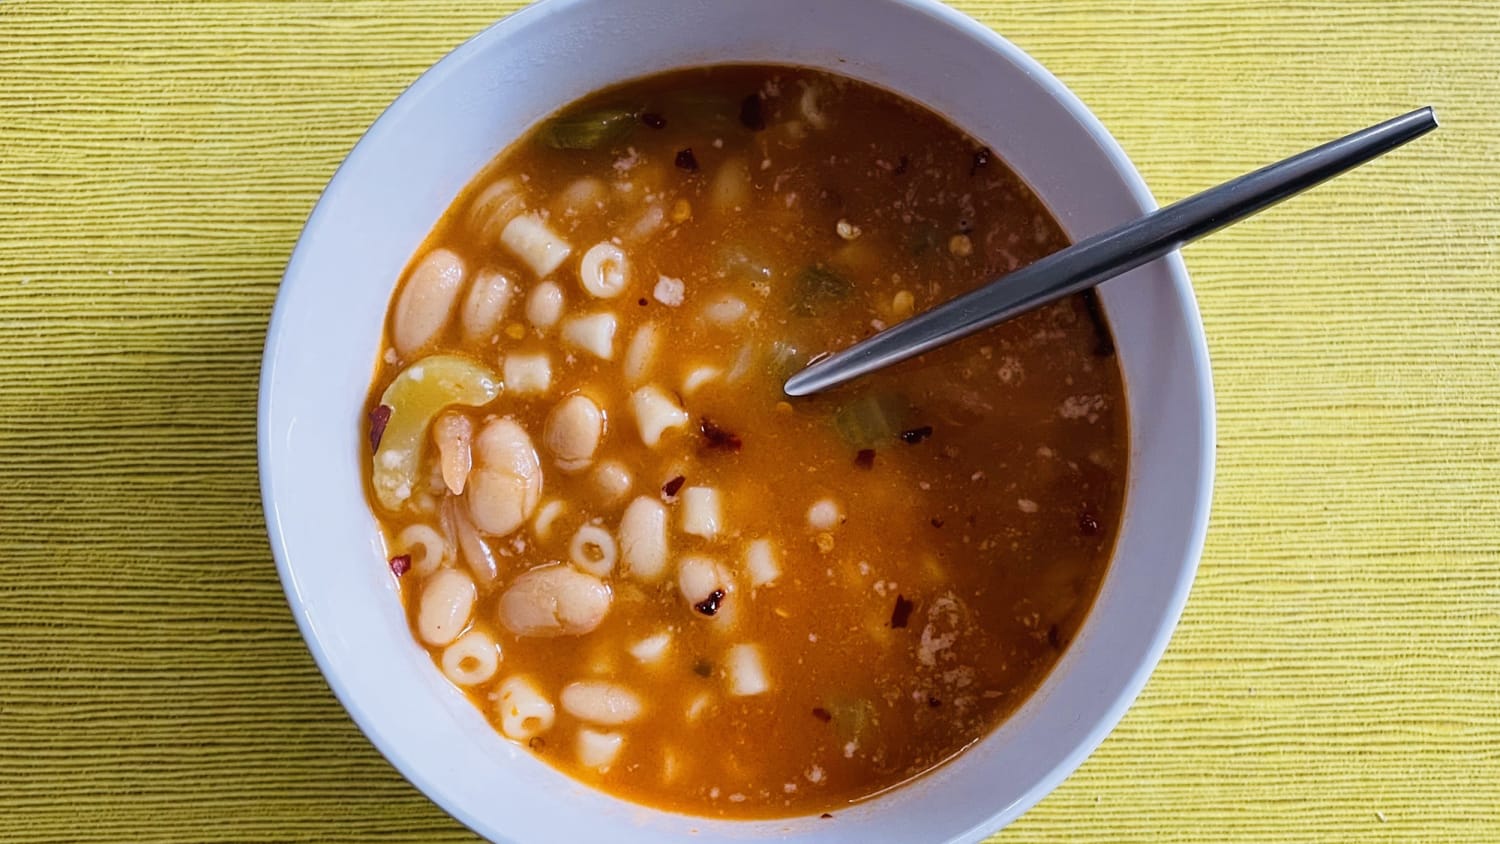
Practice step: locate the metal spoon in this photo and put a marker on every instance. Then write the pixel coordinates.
(1106, 255)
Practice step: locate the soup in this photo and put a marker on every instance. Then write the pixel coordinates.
(641, 560)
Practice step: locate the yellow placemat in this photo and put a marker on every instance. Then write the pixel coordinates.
(1336, 676)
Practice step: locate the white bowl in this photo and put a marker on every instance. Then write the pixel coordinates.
(402, 175)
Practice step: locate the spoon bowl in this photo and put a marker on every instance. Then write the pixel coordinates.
(1108, 254)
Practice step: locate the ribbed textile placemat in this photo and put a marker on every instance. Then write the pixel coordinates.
(1336, 676)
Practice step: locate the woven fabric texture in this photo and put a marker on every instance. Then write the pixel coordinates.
(1336, 676)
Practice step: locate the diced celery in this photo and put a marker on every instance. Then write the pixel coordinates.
(817, 287)
(785, 360)
(591, 128)
(700, 108)
(871, 419)
(852, 717)
(923, 238)
(419, 393)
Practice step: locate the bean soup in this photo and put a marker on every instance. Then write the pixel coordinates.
(640, 559)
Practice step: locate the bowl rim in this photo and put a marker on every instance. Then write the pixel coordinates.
(1195, 535)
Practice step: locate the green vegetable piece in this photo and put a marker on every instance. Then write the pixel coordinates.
(419, 393)
(591, 128)
(852, 717)
(700, 108)
(872, 419)
(923, 238)
(817, 287)
(784, 361)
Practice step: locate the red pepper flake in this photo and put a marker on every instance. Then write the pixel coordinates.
(1054, 638)
(400, 564)
(703, 668)
(822, 714)
(686, 160)
(654, 120)
(933, 702)
(710, 605)
(642, 302)
(982, 158)
(1088, 523)
(717, 437)
(936, 522)
(537, 743)
(751, 114)
(865, 459)
(916, 435)
(902, 612)
(378, 419)
(901, 164)
(825, 816)
(670, 488)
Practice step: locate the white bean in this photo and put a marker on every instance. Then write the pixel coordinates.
(544, 305)
(546, 515)
(649, 223)
(651, 649)
(593, 333)
(529, 238)
(598, 702)
(698, 376)
(730, 189)
(598, 750)
(726, 310)
(476, 552)
(444, 608)
(655, 412)
(593, 550)
(435, 550)
(760, 563)
(554, 600)
(485, 305)
(612, 480)
(527, 374)
(524, 710)
(427, 301)
(812, 112)
(603, 270)
(742, 362)
(643, 539)
(471, 659)
(453, 433)
(747, 671)
(640, 355)
(672, 766)
(705, 584)
(506, 484)
(700, 705)
(572, 433)
(495, 206)
(580, 196)
(824, 514)
(702, 512)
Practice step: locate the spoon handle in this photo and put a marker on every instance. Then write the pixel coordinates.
(1110, 253)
